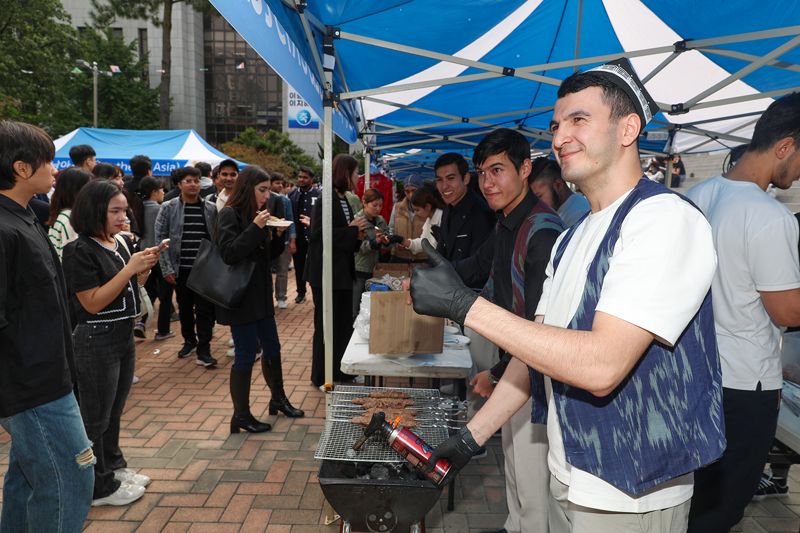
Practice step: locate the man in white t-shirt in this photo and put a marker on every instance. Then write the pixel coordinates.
(634, 387)
(756, 292)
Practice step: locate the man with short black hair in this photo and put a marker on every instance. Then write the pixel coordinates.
(141, 166)
(186, 221)
(303, 198)
(50, 477)
(628, 350)
(467, 221)
(546, 183)
(206, 183)
(756, 293)
(84, 156)
(227, 173)
(514, 260)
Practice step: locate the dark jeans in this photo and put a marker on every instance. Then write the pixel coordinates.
(193, 308)
(157, 287)
(299, 258)
(104, 361)
(723, 489)
(342, 330)
(248, 337)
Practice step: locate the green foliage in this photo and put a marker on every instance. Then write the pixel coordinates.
(37, 43)
(39, 82)
(125, 100)
(275, 143)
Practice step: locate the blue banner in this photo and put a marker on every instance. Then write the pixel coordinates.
(263, 25)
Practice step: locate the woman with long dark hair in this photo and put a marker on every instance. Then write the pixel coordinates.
(348, 232)
(242, 234)
(69, 182)
(101, 275)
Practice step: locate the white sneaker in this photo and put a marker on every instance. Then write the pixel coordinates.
(282, 304)
(126, 493)
(130, 476)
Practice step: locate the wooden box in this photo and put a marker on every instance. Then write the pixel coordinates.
(395, 328)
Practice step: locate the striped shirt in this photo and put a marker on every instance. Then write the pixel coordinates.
(194, 231)
(61, 232)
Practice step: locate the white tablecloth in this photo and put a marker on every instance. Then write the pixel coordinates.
(453, 363)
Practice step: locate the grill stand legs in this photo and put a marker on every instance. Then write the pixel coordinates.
(417, 527)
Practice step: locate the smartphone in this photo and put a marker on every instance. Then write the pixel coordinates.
(164, 244)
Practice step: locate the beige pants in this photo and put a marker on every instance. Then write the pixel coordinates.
(527, 475)
(567, 517)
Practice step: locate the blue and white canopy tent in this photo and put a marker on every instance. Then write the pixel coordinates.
(417, 76)
(169, 149)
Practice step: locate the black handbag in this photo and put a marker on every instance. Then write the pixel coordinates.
(216, 281)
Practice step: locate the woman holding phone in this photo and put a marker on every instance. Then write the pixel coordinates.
(101, 276)
(243, 234)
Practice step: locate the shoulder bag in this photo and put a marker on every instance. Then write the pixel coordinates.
(218, 282)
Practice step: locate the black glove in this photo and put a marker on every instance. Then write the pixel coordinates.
(396, 239)
(438, 291)
(458, 449)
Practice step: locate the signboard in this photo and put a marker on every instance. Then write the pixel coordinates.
(300, 114)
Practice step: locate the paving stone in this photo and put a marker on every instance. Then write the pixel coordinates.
(237, 509)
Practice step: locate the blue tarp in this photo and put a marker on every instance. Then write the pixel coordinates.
(523, 33)
(169, 149)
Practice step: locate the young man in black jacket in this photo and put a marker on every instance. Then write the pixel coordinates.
(48, 485)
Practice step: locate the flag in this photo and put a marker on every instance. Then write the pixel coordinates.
(115, 69)
(240, 66)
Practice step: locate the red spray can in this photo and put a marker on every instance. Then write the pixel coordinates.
(408, 444)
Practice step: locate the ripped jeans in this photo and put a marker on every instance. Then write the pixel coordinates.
(48, 486)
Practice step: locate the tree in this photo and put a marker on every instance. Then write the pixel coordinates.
(125, 99)
(41, 84)
(272, 149)
(159, 13)
(37, 47)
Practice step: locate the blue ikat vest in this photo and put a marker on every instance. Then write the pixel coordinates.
(665, 419)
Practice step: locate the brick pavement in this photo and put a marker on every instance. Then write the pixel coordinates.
(175, 430)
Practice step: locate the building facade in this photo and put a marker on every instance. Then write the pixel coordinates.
(219, 85)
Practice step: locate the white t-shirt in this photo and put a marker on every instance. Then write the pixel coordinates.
(756, 239)
(573, 209)
(659, 273)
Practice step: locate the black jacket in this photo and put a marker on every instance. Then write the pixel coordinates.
(345, 245)
(305, 209)
(465, 227)
(237, 240)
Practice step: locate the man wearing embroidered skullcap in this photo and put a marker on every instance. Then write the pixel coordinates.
(633, 390)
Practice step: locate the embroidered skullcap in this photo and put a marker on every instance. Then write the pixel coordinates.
(620, 72)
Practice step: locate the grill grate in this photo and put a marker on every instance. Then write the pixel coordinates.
(339, 434)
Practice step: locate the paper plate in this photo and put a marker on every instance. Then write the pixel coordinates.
(280, 223)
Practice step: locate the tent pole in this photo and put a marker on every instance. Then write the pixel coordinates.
(578, 34)
(327, 214)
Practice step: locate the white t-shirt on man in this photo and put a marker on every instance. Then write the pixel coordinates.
(756, 239)
(659, 273)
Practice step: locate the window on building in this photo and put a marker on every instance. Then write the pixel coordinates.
(237, 98)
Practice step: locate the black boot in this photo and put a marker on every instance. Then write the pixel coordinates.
(273, 375)
(240, 394)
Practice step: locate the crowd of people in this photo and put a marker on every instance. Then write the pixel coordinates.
(627, 398)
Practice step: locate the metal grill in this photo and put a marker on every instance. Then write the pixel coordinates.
(339, 434)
